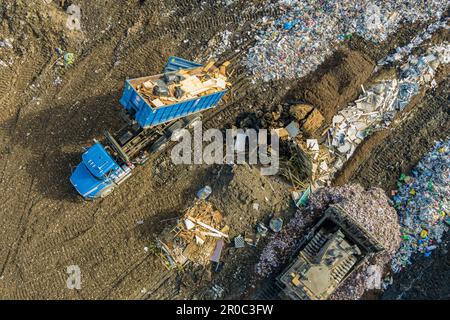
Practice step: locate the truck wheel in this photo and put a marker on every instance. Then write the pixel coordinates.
(106, 192)
(159, 145)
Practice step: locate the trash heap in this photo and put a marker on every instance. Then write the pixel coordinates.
(401, 52)
(198, 237)
(368, 207)
(183, 85)
(295, 43)
(376, 107)
(422, 201)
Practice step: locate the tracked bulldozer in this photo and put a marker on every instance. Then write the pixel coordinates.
(334, 248)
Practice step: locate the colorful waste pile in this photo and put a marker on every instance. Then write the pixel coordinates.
(198, 237)
(423, 205)
(305, 34)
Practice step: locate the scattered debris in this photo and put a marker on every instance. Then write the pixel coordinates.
(57, 81)
(218, 251)
(293, 129)
(223, 43)
(195, 238)
(6, 43)
(218, 291)
(261, 230)
(69, 59)
(239, 242)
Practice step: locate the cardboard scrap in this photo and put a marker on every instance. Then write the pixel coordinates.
(282, 133)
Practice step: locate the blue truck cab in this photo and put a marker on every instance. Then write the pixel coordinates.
(98, 173)
(103, 167)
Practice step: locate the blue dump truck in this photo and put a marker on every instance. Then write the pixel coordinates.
(154, 108)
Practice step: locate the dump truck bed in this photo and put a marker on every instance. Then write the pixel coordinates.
(147, 114)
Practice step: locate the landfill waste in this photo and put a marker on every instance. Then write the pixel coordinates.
(3, 63)
(65, 59)
(401, 52)
(198, 237)
(223, 44)
(377, 106)
(370, 208)
(303, 36)
(239, 242)
(422, 201)
(57, 81)
(261, 229)
(204, 192)
(217, 291)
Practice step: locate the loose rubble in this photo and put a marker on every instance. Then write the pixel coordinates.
(198, 237)
(423, 205)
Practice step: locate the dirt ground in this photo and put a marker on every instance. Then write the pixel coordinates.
(46, 227)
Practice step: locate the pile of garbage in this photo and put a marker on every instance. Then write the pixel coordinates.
(198, 237)
(376, 107)
(295, 43)
(368, 207)
(183, 85)
(401, 52)
(422, 201)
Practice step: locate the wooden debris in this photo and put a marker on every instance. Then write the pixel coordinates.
(197, 235)
(282, 133)
(313, 122)
(300, 111)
